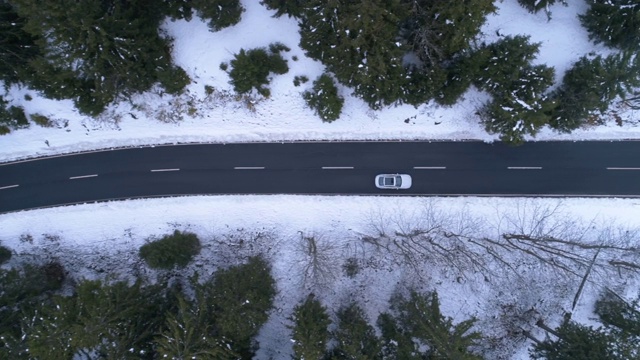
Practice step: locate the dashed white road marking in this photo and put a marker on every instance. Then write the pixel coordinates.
(429, 167)
(622, 168)
(249, 168)
(9, 187)
(524, 167)
(163, 170)
(83, 177)
(337, 167)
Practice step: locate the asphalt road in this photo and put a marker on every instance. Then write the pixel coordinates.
(590, 168)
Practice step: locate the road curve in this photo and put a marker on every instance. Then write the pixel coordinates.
(587, 168)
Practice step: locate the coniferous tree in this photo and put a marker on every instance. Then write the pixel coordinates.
(577, 342)
(220, 13)
(11, 117)
(355, 338)
(615, 23)
(421, 317)
(241, 298)
(324, 98)
(189, 332)
(589, 87)
(5, 254)
(291, 8)
(17, 47)
(397, 342)
(175, 250)
(251, 68)
(309, 332)
(357, 41)
(536, 5)
(98, 51)
(615, 312)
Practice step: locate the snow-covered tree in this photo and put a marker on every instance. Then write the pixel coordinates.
(292, 8)
(615, 23)
(324, 98)
(219, 13)
(355, 338)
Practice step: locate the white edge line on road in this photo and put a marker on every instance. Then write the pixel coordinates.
(162, 170)
(9, 187)
(429, 167)
(621, 168)
(249, 168)
(82, 177)
(524, 167)
(337, 167)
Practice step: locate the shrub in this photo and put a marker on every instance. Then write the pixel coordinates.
(174, 79)
(324, 98)
(42, 120)
(292, 8)
(175, 250)
(5, 254)
(251, 68)
(297, 80)
(220, 13)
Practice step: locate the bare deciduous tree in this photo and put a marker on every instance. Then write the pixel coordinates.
(318, 260)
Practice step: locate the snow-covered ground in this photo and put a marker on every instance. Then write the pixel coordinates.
(107, 234)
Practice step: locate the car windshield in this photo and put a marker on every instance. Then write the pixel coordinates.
(398, 181)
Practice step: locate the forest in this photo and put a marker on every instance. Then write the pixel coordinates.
(387, 52)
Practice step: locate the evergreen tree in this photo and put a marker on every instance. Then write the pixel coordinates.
(176, 250)
(615, 23)
(189, 332)
(5, 254)
(421, 317)
(355, 338)
(251, 68)
(615, 312)
(97, 51)
(220, 13)
(241, 298)
(310, 333)
(11, 117)
(577, 342)
(17, 47)
(291, 8)
(590, 86)
(357, 41)
(536, 5)
(324, 98)
(397, 342)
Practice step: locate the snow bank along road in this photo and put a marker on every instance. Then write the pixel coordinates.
(590, 168)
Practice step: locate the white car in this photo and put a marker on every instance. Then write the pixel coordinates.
(393, 181)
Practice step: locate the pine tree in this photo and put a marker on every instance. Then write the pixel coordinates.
(357, 41)
(589, 87)
(536, 5)
(176, 250)
(421, 317)
(241, 298)
(291, 8)
(251, 68)
(17, 47)
(397, 342)
(577, 342)
(97, 51)
(220, 13)
(615, 23)
(310, 333)
(324, 98)
(189, 333)
(355, 338)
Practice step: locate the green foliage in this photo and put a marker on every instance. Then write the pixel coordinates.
(355, 338)
(520, 109)
(297, 80)
(251, 69)
(577, 342)
(5, 254)
(310, 333)
(241, 298)
(292, 8)
(12, 117)
(115, 321)
(97, 51)
(42, 120)
(397, 342)
(17, 47)
(438, 30)
(419, 317)
(615, 312)
(175, 250)
(357, 41)
(351, 267)
(590, 86)
(220, 13)
(189, 332)
(615, 23)
(536, 5)
(324, 98)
